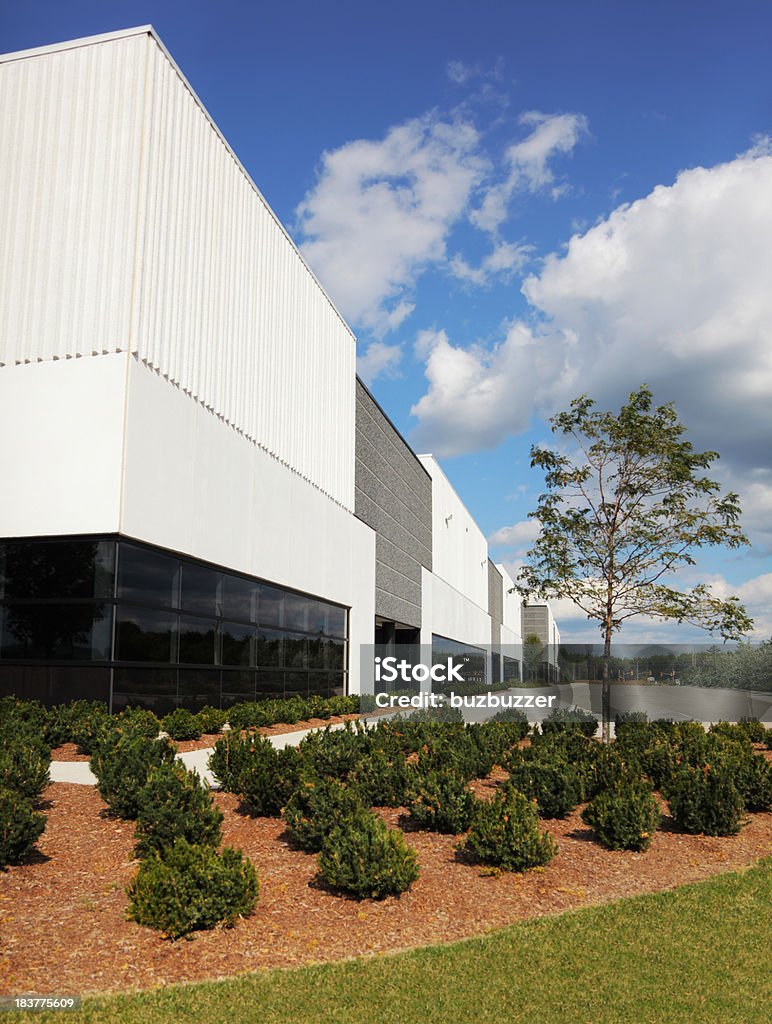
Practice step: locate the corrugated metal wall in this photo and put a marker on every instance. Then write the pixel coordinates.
(132, 227)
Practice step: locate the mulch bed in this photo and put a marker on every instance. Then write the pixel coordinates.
(63, 916)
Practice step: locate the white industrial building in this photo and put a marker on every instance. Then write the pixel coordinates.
(201, 501)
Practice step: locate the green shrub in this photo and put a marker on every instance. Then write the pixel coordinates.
(505, 833)
(753, 729)
(513, 716)
(365, 858)
(174, 804)
(138, 722)
(575, 719)
(65, 721)
(753, 778)
(17, 715)
(335, 753)
(554, 785)
(609, 766)
(182, 724)
(316, 807)
(211, 720)
(20, 827)
(191, 888)
(92, 727)
(624, 817)
(705, 800)
(267, 777)
(230, 755)
(24, 763)
(440, 802)
(122, 770)
(383, 780)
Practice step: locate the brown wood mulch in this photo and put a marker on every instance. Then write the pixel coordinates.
(63, 925)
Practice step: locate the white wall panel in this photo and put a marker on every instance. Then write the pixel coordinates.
(447, 612)
(70, 140)
(459, 548)
(127, 224)
(225, 307)
(209, 493)
(513, 603)
(60, 461)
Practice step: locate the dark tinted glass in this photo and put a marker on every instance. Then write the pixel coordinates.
(146, 681)
(146, 634)
(269, 648)
(200, 589)
(470, 660)
(237, 685)
(238, 599)
(147, 576)
(270, 606)
(335, 654)
(270, 683)
(42, 570)
(238, 646)
(198, 687)
(296, 684)
(336, 621)
(76, 630)
(55, 684)
(296, 612)
(197, 641)
(295, 651)
(320, 684)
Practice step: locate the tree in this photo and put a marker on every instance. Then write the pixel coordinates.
(534, 654)
(630, 508)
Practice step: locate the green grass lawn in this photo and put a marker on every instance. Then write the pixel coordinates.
(699, 954)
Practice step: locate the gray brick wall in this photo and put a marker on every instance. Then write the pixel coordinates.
(394, 497)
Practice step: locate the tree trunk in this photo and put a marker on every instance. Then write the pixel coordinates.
(606, 690)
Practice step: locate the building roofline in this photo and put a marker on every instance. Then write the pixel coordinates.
(107, 37)
(393, 426)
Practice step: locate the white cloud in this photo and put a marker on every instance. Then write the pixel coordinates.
(380, 213)
(506, 259)
(673, 290)
(458, 72)
(379, 360)
(529, 164)
(520, 535)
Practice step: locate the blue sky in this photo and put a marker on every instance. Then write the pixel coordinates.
(512, 204)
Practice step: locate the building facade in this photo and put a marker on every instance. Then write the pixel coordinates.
(202, 503)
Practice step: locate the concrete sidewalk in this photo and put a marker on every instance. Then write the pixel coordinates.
(80, 773)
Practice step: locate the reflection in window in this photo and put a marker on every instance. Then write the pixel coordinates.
(271, 606)
(148, 576)
(35, 570)
(296, 684)
(237, 685)
(270, 683)
(146, 634)
(296, 612)
(237, 644)
(200, 589)
(269, 648)
(80, 630)
(511, 668)
(198, 687)
(471, 660)
(238, 599)
(197, 641)
(295, 651)
(146, 681)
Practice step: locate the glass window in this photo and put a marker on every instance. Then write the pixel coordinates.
(296, 611)
(336, 621)
(146, 634)
(335, 654)
(237, 685)
(270, 648)
(40, 570)
(148, 577)
(77, 630)
(197, 641)
(295, 651)
(198, 687)
(471, 660)
(270, 683)
(200, 589)
(296, 684)
(238, 599)
(238, 647)
(271, 606)
(146, 681)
